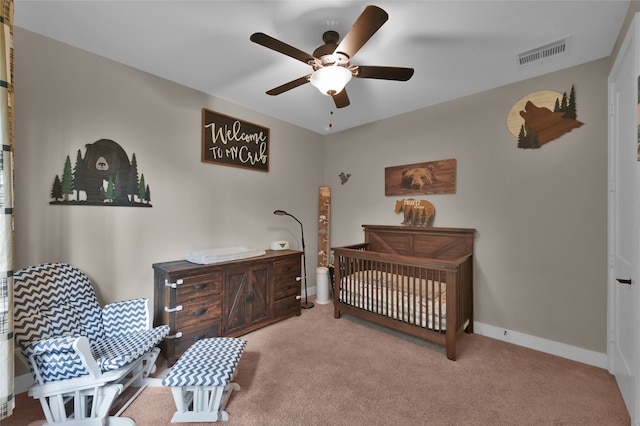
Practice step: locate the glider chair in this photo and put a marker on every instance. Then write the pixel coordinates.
(81, 356)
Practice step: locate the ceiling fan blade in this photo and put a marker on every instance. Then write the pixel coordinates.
(341, 99)
(384, 73)
(370, 21)
(288, 86)
(279, 46)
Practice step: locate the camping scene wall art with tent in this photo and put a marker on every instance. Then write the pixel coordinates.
(103, 177)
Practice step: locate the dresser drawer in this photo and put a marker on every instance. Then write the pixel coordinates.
(198, 310)
(287, 268)
(286, 307)
(288, 288)
(197, 286)
(192, 334)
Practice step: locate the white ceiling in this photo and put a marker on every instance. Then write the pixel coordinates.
(456, 47)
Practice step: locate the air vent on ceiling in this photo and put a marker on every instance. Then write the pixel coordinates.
(537, 56)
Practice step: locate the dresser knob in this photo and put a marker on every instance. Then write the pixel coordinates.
(176, 309)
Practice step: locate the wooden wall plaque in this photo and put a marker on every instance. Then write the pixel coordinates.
(232, 142)
(434, 177)
(543, 116)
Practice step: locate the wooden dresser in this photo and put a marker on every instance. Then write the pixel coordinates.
(224, 299)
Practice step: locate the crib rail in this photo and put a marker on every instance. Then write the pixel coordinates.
(428, 297)
(361, 251)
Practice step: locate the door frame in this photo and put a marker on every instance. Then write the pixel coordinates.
(631, 391)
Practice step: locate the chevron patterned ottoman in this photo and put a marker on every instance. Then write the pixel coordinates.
(201, 379)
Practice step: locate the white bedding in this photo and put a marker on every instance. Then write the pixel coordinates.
(409, 299)
(222, 254)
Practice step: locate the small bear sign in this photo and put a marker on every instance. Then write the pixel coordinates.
(416, 212)
(103, 177)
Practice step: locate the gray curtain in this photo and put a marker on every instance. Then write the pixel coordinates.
(7, 401)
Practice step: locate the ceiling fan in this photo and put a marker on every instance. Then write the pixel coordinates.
(331, 65)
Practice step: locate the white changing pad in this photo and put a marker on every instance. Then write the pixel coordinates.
(222, 254)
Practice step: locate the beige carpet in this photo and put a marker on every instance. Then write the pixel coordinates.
(316, 370)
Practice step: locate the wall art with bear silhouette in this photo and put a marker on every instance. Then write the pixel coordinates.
(540, 117)
(103, 177)
(433, 177)
(416, 212)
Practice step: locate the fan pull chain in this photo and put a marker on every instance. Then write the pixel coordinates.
(329, 126)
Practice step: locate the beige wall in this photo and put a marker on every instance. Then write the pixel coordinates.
(66, 98)
(540, 215)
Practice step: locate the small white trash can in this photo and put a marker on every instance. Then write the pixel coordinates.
(322, 285)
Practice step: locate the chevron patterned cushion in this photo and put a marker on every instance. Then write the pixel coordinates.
(54, 304)
(55, 345)
(65, 324)
(208, 362)
(116, 352)
(125, 317)
(39, 293)
(57, 359)
(30, 328)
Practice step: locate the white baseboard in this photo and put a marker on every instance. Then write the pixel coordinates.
(574, 353)
(22, 383)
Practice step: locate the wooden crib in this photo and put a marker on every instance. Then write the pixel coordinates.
(402, 278)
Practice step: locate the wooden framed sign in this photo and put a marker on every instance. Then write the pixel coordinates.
(233, 142)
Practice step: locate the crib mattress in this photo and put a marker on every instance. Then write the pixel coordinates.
(413, 300)
(222, 254)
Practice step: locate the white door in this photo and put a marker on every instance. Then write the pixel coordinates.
(624, 221)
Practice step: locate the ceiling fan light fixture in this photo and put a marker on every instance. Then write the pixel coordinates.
(330, 80)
